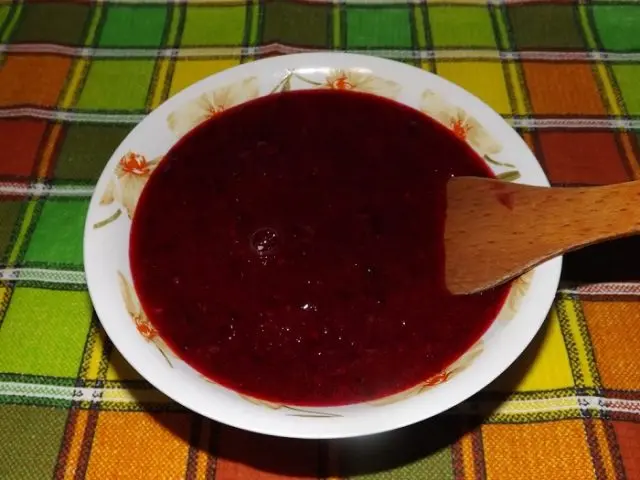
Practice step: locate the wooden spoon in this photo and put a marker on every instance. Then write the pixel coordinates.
(495, 231)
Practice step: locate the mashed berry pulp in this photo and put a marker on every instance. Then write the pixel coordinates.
(291, 249)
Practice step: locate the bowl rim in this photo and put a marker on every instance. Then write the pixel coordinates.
(491, 364)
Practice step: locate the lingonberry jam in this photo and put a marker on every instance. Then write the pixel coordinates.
(291, 248)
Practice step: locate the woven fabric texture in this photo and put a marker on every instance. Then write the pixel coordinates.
(76, 76)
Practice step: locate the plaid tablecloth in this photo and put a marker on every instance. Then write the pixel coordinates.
(75, 76)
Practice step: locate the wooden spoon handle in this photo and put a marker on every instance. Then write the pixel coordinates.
(516, 227)
(574, 217)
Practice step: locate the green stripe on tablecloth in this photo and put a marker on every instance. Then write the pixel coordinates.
(6, 14)
(419, 31)
(425, 28)
(602, 73)
(10, 20)
(78, 72)
(516, 84)
(160, 82)
(252, 30)
(337, 30)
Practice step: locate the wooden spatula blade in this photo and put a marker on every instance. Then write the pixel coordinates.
(495, 231)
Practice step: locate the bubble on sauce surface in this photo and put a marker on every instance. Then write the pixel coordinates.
(265, 241)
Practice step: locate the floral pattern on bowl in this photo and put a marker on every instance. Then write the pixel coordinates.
(142, 323)
(126, 184)
(211, 103)
(119, 188)
(467, 128)
(439, 378)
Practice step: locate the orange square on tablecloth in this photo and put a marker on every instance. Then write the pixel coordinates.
(562, 89)
(20, 140)
(628, 436)
(32, 80)
(140, 445)
(584, 157)
(613, 327)
(554, 450)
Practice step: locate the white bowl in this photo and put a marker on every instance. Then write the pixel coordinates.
(106, 246)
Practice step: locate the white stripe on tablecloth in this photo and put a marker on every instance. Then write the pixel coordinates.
(509, 407)
(45, 275)
(42, 189)
(129, 118)
(275, 48)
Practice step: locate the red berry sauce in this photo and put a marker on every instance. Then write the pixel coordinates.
(291, 249)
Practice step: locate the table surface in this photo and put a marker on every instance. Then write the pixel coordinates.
(75, 77)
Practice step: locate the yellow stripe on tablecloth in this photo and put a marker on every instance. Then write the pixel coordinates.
(22, 232)
(128, 396)
(162, 77)
(534, 406)
(519, 99)
(163, 67)
(544, 365)
(4, 299)
(627, 150)
(81, 65)
(605, 79)
(67, 100)
(76, 78)
(93, 363)
(577, 346)
(512, 69)
(466, 449)
(49, 151)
